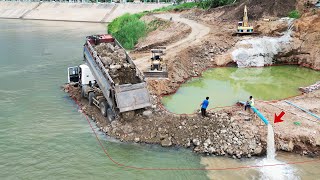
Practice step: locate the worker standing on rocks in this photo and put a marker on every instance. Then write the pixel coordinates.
(249, 103)
(204, 106)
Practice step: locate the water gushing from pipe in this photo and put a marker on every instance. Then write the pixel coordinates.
(271, 151)
(258, 52)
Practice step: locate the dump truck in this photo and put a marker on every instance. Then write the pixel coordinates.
(109, 79)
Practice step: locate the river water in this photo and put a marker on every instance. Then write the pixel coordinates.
(43, 136)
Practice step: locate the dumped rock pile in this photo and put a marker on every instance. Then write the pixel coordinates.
(115, 61)
(310, 88)
(222, 134)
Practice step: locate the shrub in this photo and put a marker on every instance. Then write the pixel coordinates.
(127, 29)
(294, 14)
(130, 33)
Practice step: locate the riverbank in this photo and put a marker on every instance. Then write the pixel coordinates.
(76, 12)
(230, 131)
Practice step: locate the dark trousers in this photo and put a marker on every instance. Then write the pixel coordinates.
(203, 112)
(247, 106)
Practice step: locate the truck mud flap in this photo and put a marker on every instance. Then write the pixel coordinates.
(132, 96)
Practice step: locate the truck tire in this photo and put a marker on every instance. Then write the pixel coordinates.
(82, 92)
(111, 115)
(91, 96)
(103, 108)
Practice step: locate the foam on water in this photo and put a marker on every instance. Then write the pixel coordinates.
(258, 52)
(271, 168)
(272, 171)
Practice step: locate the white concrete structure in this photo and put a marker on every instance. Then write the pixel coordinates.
(83, 12)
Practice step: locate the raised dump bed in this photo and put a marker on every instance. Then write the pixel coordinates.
(110, 79)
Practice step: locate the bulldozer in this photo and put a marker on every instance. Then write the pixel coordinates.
(157, 68)
(243, 26)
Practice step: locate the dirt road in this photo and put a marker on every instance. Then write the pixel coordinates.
(198, 32)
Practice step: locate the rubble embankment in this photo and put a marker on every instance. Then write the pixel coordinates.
(230, 132)
(310, 88)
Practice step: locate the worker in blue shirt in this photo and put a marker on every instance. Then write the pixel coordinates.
(204, 106)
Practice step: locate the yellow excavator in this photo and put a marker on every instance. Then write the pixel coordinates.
(243, 26)
(157, 68)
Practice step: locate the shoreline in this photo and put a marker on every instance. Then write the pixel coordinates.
(215, 66)
(122, 130)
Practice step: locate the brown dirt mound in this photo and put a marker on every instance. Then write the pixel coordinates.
(257, 9)
(166, 32)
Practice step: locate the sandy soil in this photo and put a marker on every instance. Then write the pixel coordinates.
(168, 32)
(198, 31)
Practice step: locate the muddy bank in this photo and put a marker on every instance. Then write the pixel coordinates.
(230, 132)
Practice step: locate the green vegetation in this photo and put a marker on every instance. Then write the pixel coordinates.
(179, 7)
(294, 14)
(127, 29)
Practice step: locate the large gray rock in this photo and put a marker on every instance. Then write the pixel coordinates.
(115, 67)
(106, 61)
(166, 142)
(223, 131)
(136, 139)
(110, 47)
(196, 142)
(147, 113)
(258, 150)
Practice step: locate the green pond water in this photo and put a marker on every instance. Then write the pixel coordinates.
(226, 86)
(43, 136)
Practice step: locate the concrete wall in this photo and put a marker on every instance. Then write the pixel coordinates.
(15, 9)
(86, 12)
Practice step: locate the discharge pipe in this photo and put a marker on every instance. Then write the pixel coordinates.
(296, 106)
(255, 110)
(264, 119)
